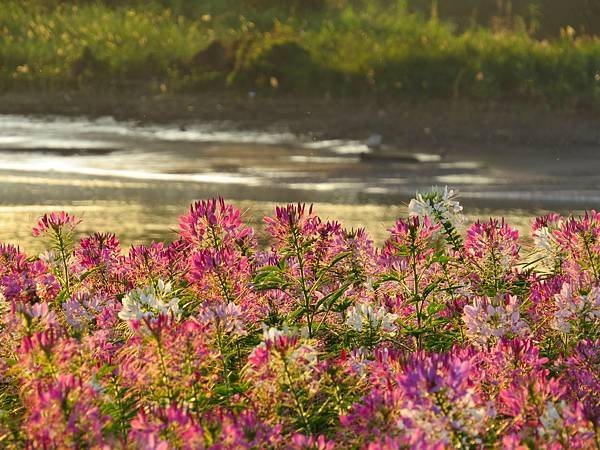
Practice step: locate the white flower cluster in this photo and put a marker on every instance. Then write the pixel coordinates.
(50, 258)
(487, 320)
(464, 416)
(364, 315)
(438, 204)
(572, 307)
(149, 302)
(272, 333)
(225, 317)
(543, 237)
(551, 421)
(544, 240)
(303, 352)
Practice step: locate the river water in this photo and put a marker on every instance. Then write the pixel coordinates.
(136, 179)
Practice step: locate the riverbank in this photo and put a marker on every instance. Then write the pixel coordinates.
(373, 48)
(426, 124)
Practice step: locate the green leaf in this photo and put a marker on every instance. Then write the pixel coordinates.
(429, 289)
(296, 314)
(332, 297)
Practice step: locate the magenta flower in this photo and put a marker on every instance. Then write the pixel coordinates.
(98, 250)
(147, 264)
(493, 240)
(582, 373)
(57, 222)
(63, 415)
(165, 428)
(213, 223)
(292, 222)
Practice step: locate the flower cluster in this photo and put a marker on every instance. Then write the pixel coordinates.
(364, 316)
(149, 302)
(317, 340)
(439, 203)
(489, 320)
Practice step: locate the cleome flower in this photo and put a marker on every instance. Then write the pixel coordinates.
(488, 320)
(55, 222)
(438, 203)
(436, 339)
(149, 302)
(363, 316)
(543, 232)
(573, 307)
(83, 308)
(287, 343)
(224, 317)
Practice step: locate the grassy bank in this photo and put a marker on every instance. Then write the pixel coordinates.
(316, 47)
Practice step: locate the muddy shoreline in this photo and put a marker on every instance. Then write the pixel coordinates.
(426, 124)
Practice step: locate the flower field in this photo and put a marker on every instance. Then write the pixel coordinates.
(449, 335)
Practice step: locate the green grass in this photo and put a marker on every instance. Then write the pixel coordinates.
(340, 47)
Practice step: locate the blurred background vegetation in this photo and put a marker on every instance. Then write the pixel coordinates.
(538, 49)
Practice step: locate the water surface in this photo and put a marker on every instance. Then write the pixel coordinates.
(135, 179)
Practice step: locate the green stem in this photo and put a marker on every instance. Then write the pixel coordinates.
(163, 367)
(224, 364)
(305, 291)
(591, 258)
(61, 247)
(495, 271)
(295, 394)
(415, 293)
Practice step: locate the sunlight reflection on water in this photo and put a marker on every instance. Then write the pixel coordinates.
(136, 223)
(135, 180)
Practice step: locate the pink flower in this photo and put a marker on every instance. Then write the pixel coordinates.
(292, 222)
(575, 308)
(495, 240)
(63, 415)
(165, 428)
(225, 318)
(213, 223)
(56, 222)
(98, 250)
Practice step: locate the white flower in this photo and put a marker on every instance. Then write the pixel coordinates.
(49, 257)
(363, 314)
(272, 333)
(358, 360)
(572, 307)
(438, 204)
(551, 419)
(543, 234)
(225, 317)
(149, 302)
(4, 306)
(464, 416)
(543, 239)
(305, 354)
(489, 320)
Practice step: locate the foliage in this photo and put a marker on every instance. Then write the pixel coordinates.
(374, 47)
